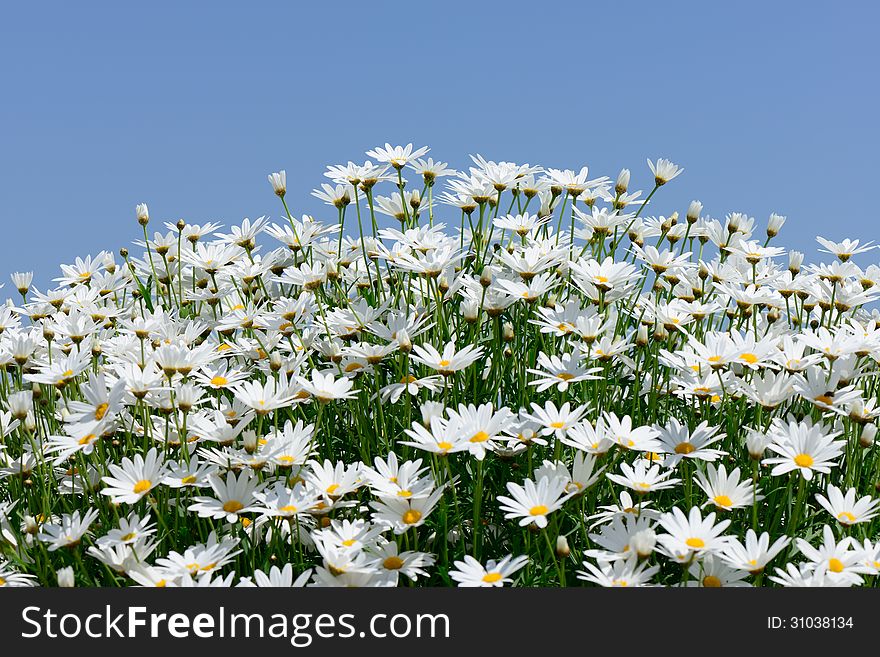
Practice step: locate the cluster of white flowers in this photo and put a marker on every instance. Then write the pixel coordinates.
(527, 379)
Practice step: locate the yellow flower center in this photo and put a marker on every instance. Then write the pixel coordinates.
(444, 445)
(803, 460)
(714, 359)
(412, 516)
(101, 411)
(480, 437)
(695, 543)
(538, 510)
(565, 376)
(444, 363)
(143, 486)
(86, 440)
(404, 493)
(491, 578)
(685, 448)
(557, 425)
(233, 506)
(600, 279)
(288, 508)
(392, 563)
(219, 381)
(332, 488)
(128, 536)
(349, 542)
(835, 565)
(711, 582)
(751, 359)
(190, 479)
(722, 500)
(846, 518)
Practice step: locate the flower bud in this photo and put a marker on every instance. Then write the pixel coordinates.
(795, 260)
(774, 224)
(546, 208)
(250, 441)
(279, 183)
(507, 333)
(20, 403)
(430, 410)
(756, 443)
(470, 311)
(733, 220)
(643, 542)
(562, 548)
(866, 438)
(143, 214)
(694, 210)
(415, 199)
(487, 276)
(65, 577)
(642, 335)
(622, 181)
(403, 341)
(675, 233)
(22, 281)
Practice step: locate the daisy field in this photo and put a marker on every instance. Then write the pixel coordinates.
(503, 375)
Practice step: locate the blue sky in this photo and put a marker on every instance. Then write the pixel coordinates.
(187, 106)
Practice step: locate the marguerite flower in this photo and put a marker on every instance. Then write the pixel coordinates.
(845, 508)
(691, 534)
(134, 478)
(532, 502)
(803, 447)
(471, 573)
